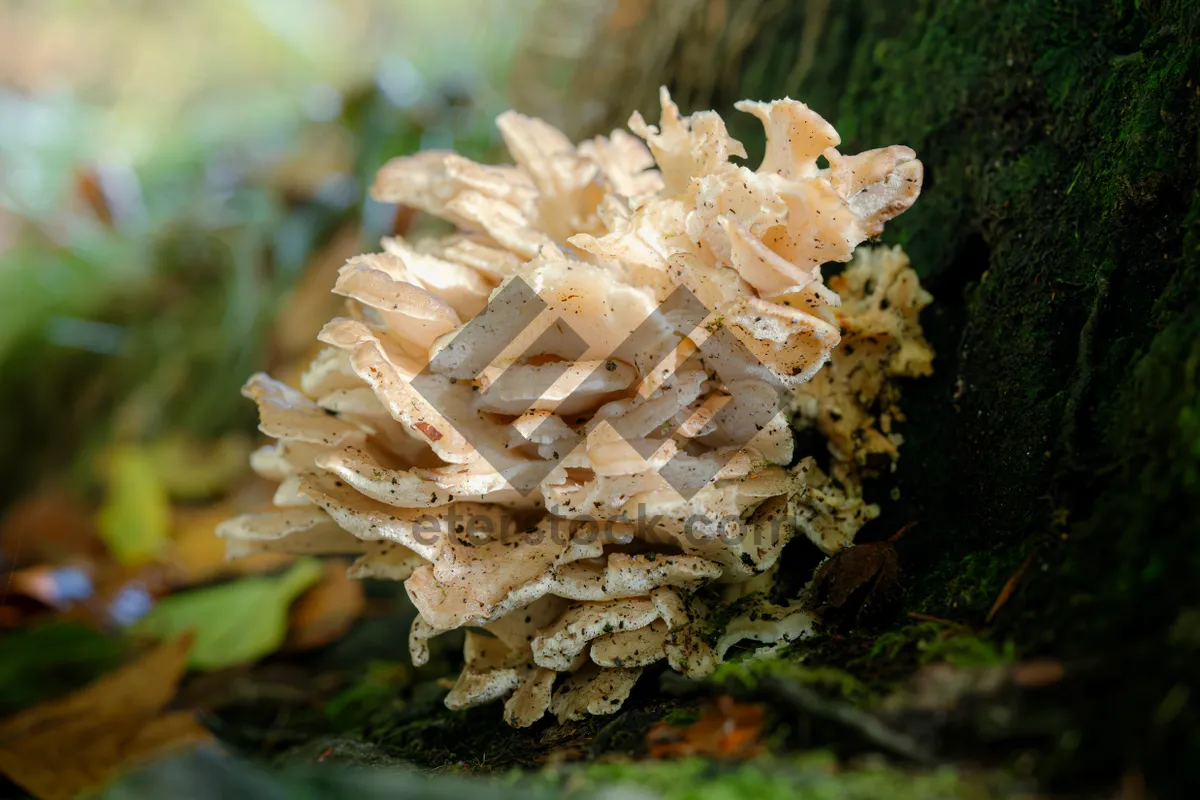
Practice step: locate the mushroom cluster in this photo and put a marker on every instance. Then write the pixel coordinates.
(559, 421)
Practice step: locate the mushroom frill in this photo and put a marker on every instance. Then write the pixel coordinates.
(558, 422)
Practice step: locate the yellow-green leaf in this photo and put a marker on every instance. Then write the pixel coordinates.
(135, 519)
(195, 469)
(235, 622)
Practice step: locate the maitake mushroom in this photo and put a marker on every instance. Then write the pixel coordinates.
(854, 400)
(532, 424)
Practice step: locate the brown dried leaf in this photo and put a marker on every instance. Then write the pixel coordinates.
(49, 527)
(198, 469)
(327, 611)
(1036, 673)
(310, 304)
(197, 554)
(89, 188)
(64, 748)
(857, 585)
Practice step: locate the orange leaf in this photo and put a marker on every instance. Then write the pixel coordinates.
(726, 729)
(1009, 587)
(67, 747)
(197, 554)
(90, 189)
(327, 611)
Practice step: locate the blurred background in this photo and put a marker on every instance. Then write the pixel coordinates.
(179, 183)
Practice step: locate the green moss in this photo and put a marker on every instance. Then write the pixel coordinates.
(964, 588)
(813, 775)
(1060, 233)
(746, 674)
(375, 690)
(681, 717)
(720, 614)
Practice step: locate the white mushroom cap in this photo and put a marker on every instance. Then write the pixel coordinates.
(303, 531)
(329, 370)
(499, 664)
(558, 646)
(531, 699)
(767, 623)
(593, 690)
(685, 147)
(287, 414)
(385, 560)
(796, 135)
(636, 648)
(474, 250)
(621, 442)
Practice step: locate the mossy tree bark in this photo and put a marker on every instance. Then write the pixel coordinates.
(1059, 230)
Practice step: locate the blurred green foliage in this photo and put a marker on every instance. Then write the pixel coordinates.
(815, 776)
(151, 323)
(225, 634)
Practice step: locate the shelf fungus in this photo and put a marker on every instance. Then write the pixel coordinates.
(560, 421)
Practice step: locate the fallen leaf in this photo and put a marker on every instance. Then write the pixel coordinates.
(1010, 586)
(235, 622)
(326, 611)
(135, 519)
(1037, 673)
(197, 555)
(856, 585)
(49, 528)
(193, 469)
(308, 304)
(44, 660)
(64, 748)
(102, 593)
(726, 729)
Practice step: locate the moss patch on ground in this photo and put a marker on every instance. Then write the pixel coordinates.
(813, 775)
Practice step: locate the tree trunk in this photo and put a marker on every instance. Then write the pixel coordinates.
(1059, 231)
